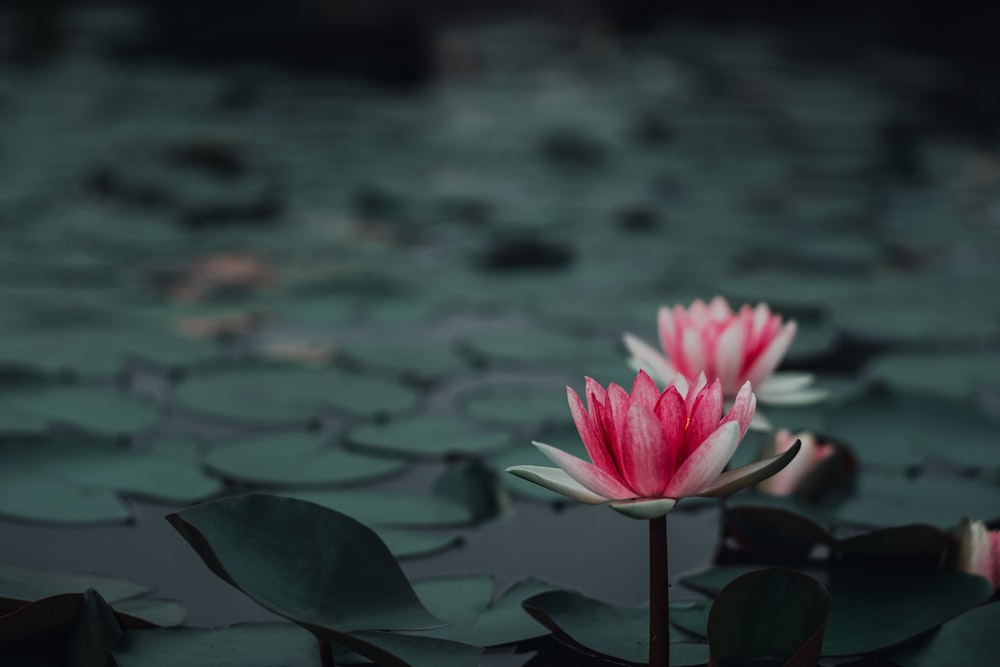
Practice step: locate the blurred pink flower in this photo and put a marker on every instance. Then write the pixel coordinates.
(735, 347)
(650, 448)
(979, 550)
(790, 479)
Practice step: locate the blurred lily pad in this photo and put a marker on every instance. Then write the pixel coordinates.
(902, 429)
(296, 459)
(952, 376)
(428, 437)
(279, 393)
(390, 508)
(424, 360)
(475, 617)
(518, 404)
(537, 347)
(80, 479)
(969, 639)
(100, 350)
(98, 409)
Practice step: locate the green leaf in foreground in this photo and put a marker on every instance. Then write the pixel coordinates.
(969, 639)
(603, 630)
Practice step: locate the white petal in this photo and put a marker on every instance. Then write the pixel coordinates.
(586, 473)
(781, 383)
(797, 397)
(646, 358)
(729, 355)
(644, 508)
(556, 479)
(760, 423)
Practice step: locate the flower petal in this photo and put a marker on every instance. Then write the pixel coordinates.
(693, 353)
(667, 326)
(644, 391)
(647, 460)
(771, 356)
(587, 474)
(729, 354)
(594, 389)
(615, 420)
(730, 482)
(671, 412)
(743, 408)
(706, 462)
(798, 397)
(704, 417)
(781, 383)
(557, 480)
(590, 433)
(644, 508)
(644, 357)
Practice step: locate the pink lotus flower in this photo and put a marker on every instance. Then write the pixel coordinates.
(736, 348)
(979, 550)
(650, 448)
(790, 479)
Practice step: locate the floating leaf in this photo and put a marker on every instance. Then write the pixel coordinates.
(242, 645)
(969, 639)
(78, 479)
(314, 566)
(94, 408)
(424, 360)
(874, 607)
(413, 543)
(390, 508)
(599, 629)
(278, 393)
(476, 618)
(27, 583)
(428, 436)
(524, 405)
(537, 347)
(95, 631)
(953, 376)
(296, 459)
(775, 614)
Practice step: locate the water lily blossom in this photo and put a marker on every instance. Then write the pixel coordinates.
(791, 478)
(735, 347)
(979, 550)
(648, 448)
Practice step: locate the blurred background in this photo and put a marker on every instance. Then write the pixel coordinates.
(460, 205)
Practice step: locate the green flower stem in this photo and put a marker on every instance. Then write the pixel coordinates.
(659, 594)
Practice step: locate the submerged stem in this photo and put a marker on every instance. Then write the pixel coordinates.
(659, 594)
(326, 653)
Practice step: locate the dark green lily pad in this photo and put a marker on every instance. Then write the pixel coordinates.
(428, 437)
(414, 543)
(164, 613)
(537, 347)
(242, 645)
(902, 429)
(278, 393)
(324, 311)
(775, 614)
(477, 618)
(393, 649)
(887, 499)
(953, 376)
(602, 630)
(27, 583)
(97, 409)
(424, 360)
(969, 639)
(534, 405)
(316, 567)
(390, 508)
(296, 459)
(100, 350)
(874, 607)
(94, 632)
(79, 479)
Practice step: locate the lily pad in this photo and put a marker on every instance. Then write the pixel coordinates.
(538, 347)
(774, 614)
(100, 350)
(296, 459)
(80, 479)
(874, 607)
(242, 645)
(969, 639)
(902, 429)
(953, 376)
(603, 630)
(277, 393)
(427, 437)
(518, 404)
(423, 360)
(416, 542)
(28, 583)
(475, 617)
(390, 508)
(95, 408)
